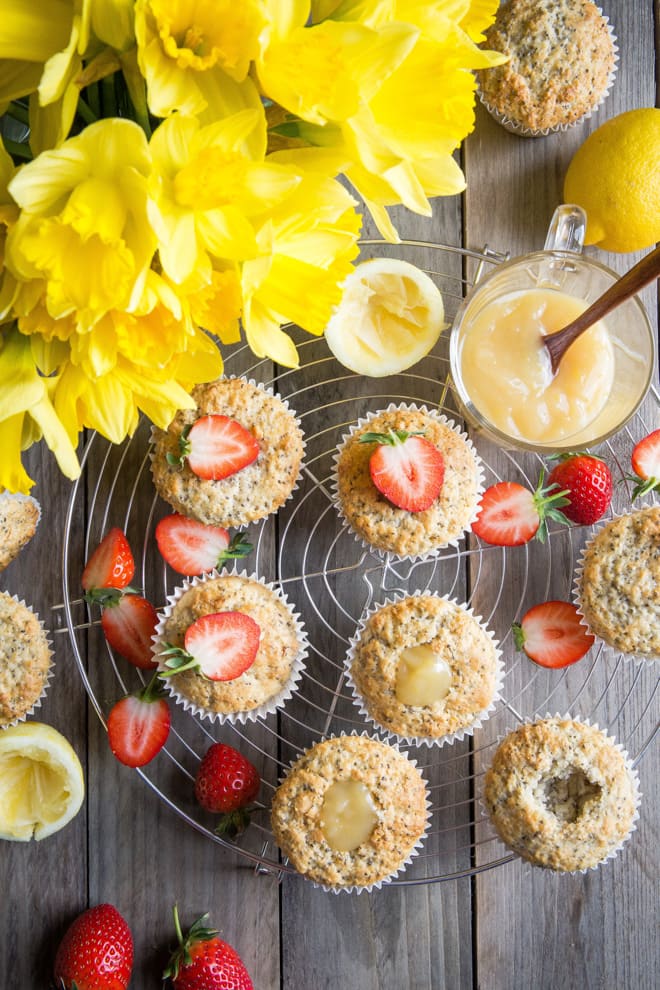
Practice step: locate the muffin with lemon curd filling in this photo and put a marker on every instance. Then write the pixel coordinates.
(25, 660)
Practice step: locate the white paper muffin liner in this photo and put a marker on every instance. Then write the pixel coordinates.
(285, 402)
(19, 497)
(359, 427)
(49, 673)
(630, 769)
(514, 127)
(479, 717)
(577, 591)
(414, 851)
(269, 706)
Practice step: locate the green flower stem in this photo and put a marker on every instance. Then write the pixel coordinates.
(108, 98)
(94, 99)
(19, 112)
(17, 150)
(86, 111)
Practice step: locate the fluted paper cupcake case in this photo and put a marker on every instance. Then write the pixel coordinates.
(49, 672)
(514, 127)
(630, 769)
(459, 734)
(642, 658)
(414, 851)
(285, 402)
(273, 703)
(358, 427)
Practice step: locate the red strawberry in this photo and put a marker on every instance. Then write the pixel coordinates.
(191, 548)
(96, 952)
(552, 635)
(225, 783)
(202, 961)
(406, 468)
(588, 481)
(510, 515)
(221, 646)
(645, 462)
(111, 565)
(129, 622)
(216, 447)
(138, 725)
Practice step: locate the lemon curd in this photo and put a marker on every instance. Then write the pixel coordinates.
(506, 370)
(348, 816)
(423, 676)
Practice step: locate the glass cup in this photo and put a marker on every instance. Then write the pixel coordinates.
(615, 360)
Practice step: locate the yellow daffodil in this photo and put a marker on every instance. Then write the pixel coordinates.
(83, 227)
(195, 54)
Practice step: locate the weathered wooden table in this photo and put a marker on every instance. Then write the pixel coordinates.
(502, 928)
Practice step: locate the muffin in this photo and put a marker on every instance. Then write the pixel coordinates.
(380, 524)
(561, 62)
(562, 794)
(270, 679)
(251, 493)
(350, 813)
(25, 660)
(618, 583)
(19, 518)
(424, 668)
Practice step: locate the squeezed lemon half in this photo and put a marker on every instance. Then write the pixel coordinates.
(390, 316)
(41, 781)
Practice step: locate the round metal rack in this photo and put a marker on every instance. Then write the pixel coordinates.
(332, 579)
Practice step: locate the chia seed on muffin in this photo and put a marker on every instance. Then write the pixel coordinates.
(25, 660)
(561, 61)
(256, 490)
(19, 518)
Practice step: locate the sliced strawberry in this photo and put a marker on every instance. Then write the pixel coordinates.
(190, 547)
(138, 725)
(111, 564)
(552, 634)
(221, 646)
(588, 481)
(645, 460)
(406, 468)
(216, 447)
(510, 515)
(129, 622)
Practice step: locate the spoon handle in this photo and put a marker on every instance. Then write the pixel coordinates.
(639, 275)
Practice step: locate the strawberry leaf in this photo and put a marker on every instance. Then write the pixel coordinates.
(233, 823)
(239, 547)
(391, 438)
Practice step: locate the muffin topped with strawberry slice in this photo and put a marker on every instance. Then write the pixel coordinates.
(233, 459)
(229, 647)
(407, 481)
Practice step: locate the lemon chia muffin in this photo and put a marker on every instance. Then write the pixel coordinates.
(424, 668)
(561, 61)
(250, 493)
(350, 812)
(618, 583)
(19, 518)
(385, 526)
(277, 666)
(562, 794)
(25, 660)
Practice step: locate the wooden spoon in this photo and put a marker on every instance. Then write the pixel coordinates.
(641, 274)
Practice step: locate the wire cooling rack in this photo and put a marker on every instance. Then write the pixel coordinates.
(332, 579)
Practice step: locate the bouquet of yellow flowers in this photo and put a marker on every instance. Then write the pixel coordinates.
(169, 178)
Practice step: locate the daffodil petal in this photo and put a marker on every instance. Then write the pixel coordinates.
(55, 435)
(50, 125)
(265, 337)
(33, 32)
(18, 79)
(13, 476)
(21, 387)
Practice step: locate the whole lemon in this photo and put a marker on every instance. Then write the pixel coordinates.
(615, 177)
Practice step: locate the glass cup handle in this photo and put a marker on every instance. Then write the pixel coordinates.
(567, 229)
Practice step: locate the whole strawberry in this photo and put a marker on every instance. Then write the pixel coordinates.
(202, 961)
(589, 483)
(96, 952)
(226, 782)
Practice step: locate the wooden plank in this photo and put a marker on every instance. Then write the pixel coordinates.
(535, 929)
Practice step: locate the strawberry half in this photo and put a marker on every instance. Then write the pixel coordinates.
(138, 725)
(221, 646)
(215, 447)
(203, 961)
(552, 634)
(190, 547)
(111, 565)
(406, 468)
(129, 623)
(225, 783)
(588, 481)
(510, 514)
(96, 952)
(645, 460)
